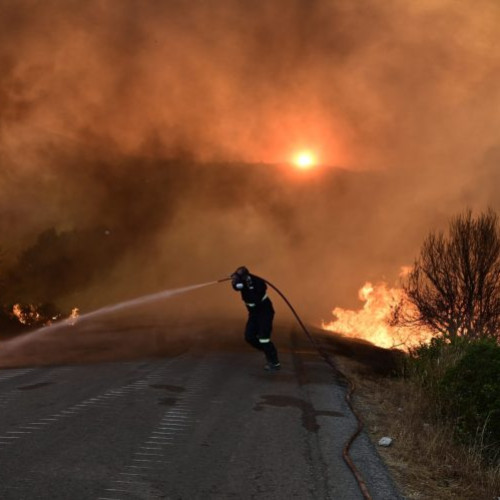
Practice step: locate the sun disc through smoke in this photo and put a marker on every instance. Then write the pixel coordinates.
(304, 160)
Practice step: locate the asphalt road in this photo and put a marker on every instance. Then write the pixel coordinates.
(200, 424)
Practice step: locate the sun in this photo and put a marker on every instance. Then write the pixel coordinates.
(304, 160)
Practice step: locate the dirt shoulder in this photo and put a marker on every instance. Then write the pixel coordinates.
(423, 459)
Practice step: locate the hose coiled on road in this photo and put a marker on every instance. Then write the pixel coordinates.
(348, 396)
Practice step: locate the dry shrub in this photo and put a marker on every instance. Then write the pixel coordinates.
(423, 458)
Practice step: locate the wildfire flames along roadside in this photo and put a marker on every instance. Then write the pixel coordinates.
(372, 321)
(30, 316)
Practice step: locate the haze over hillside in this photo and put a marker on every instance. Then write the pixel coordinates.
(155, 136)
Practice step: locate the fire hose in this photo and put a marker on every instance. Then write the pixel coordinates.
(348, 395)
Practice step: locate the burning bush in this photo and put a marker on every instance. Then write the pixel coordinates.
(9, 324)
(57, 264)
(373, 322)
(33, 315)
(18, 318)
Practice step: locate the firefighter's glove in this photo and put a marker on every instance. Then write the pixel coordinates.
(236, 281)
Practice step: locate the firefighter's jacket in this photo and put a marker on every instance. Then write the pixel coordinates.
(253, 290)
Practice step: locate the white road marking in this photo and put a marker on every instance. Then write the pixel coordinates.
(128, 482)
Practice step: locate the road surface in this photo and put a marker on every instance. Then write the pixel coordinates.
(199, 424)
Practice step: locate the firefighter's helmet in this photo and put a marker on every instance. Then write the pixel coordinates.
(242, 271)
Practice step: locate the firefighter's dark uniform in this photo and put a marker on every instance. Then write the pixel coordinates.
(260, 314)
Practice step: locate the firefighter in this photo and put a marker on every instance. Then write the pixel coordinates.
(260, 314)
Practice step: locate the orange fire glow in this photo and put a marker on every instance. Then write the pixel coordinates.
(73, 317)
(304, 160)
(28, 316)
(371, 322)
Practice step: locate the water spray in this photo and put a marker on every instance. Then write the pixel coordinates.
(145, 299)
(155, 297)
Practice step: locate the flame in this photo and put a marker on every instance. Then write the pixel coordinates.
(73, 317)
(27, 315)
(405, 271)
(304, 160)
(371, 322)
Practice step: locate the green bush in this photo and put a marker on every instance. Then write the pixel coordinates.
(470, 395)
(428, 362)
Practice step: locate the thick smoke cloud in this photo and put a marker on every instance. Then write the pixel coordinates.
(163, 122)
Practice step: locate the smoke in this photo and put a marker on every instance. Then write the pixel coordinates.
(167, 123)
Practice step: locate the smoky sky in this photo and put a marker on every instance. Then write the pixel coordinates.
(168, 122)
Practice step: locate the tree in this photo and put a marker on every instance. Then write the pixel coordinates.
(454, 286)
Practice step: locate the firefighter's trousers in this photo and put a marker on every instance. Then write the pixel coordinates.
(259, 327)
